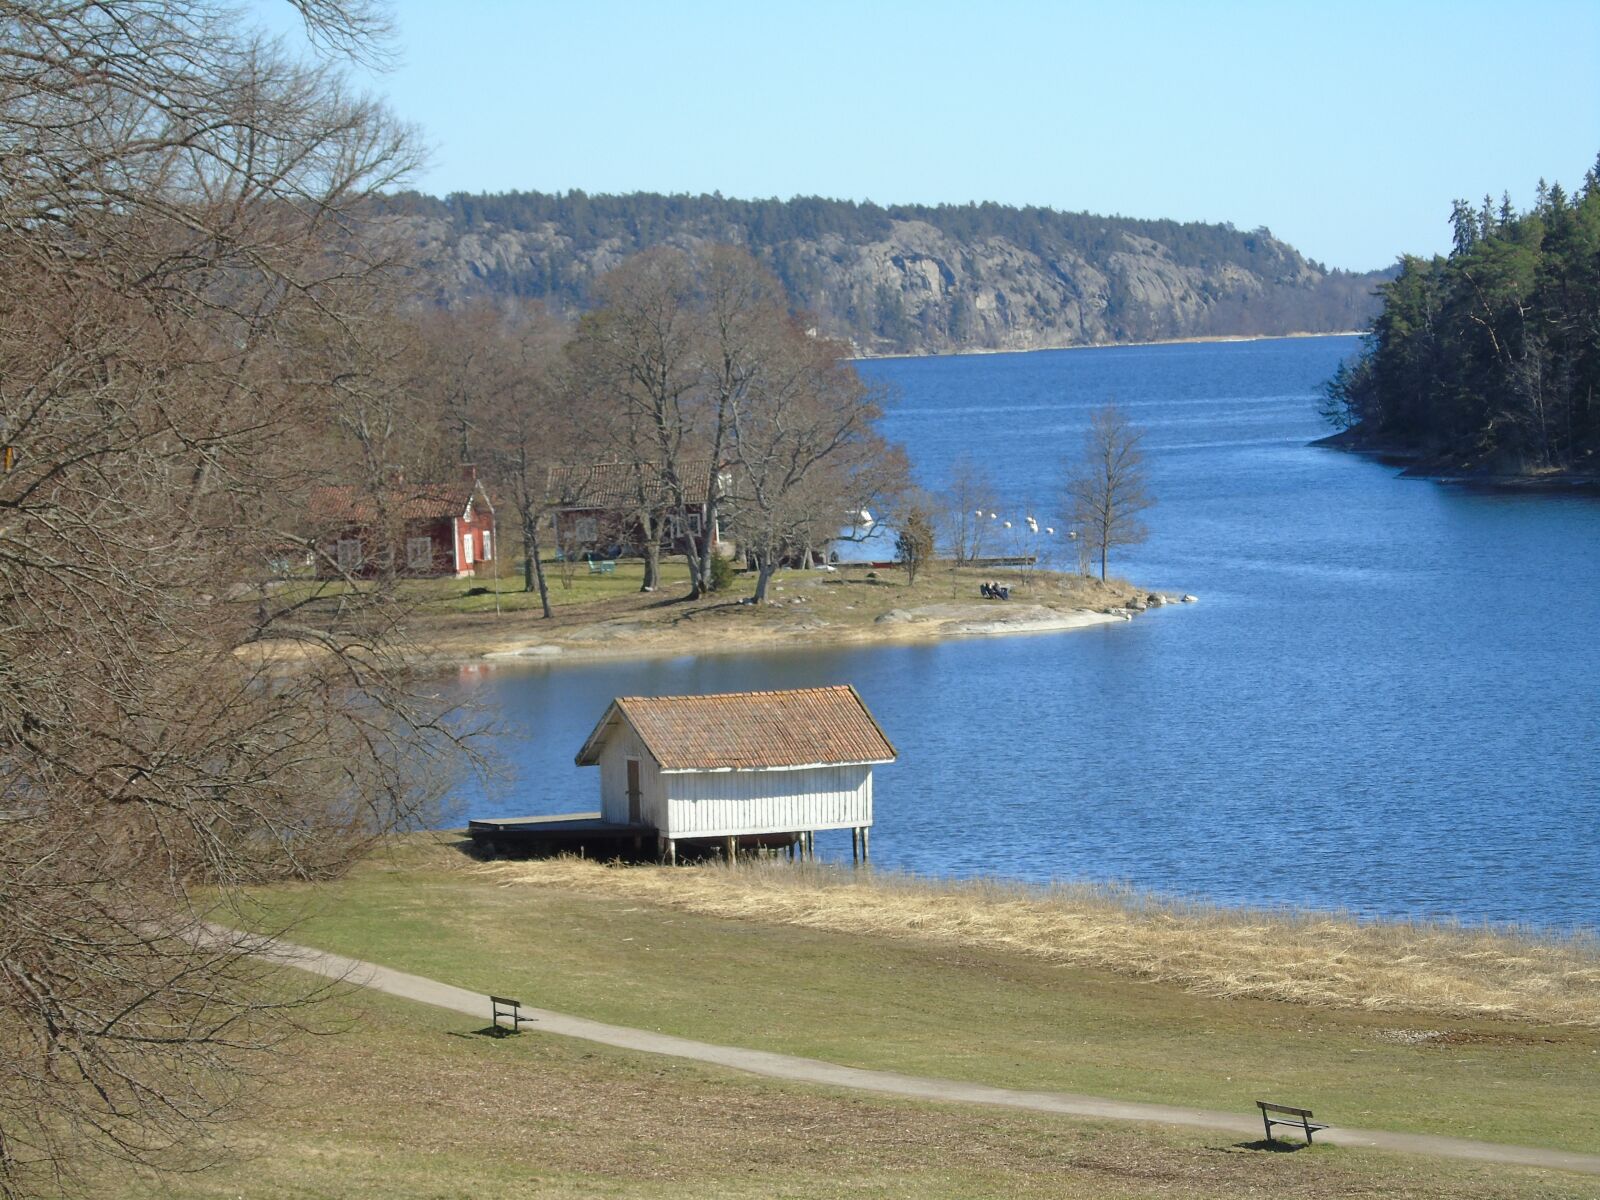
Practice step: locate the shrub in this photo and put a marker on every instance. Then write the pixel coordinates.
(721, 572)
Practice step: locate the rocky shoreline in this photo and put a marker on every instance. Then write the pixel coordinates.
(628, 638)
(1416, 464)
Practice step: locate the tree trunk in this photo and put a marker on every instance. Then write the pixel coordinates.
(693, 556)
(765, 566)
(533, 567)
(650, 533)
(652, 565)
(708, 531)
(1102, 562)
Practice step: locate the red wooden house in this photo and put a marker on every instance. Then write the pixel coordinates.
(425, 529)
(595, 508)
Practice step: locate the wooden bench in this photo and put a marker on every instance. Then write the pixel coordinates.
(511, 1010)
(1298, 1118)
(602, 566)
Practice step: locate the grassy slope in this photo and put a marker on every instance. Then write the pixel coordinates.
(931, 1008)
(411, 1102)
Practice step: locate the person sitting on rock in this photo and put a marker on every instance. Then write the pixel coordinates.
(984, 589)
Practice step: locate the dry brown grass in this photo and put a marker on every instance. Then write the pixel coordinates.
(1313, 959)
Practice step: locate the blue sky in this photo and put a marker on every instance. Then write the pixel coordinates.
(1345, 128)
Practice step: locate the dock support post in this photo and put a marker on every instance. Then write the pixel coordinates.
(865, 829)
(732, 850)
(855, 845)
(811, 844)
(672, 852)
(791, 851)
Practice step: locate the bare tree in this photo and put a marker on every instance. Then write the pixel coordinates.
(458, 358)
(491, 386)
(188, 294)
(678, 345)
(806, 454)
(967, 502)
(746, 320)
(1106, 487)
(526, 430)
(638, 371)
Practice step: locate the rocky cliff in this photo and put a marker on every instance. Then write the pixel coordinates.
(904, 280)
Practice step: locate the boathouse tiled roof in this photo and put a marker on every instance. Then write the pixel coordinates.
(827, 726)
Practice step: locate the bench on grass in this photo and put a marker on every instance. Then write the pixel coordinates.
(511, 1010)
(1297, 1118)
(602, 566)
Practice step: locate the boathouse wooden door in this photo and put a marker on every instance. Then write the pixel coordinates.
(633, 791)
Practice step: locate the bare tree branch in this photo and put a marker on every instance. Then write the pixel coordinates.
(189, 298)
(1106, 487)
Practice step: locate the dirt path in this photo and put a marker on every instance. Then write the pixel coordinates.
(815, 1071)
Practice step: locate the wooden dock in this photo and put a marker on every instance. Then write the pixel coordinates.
(589, 835)
(586, 834)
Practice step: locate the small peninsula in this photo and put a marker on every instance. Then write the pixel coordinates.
(448, 622)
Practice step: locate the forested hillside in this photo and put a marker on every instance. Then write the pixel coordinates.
(904, 278)
(1489, 358)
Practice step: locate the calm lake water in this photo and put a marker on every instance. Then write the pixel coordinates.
(1386, 701)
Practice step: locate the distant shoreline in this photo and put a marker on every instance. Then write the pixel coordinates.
(1183, 341)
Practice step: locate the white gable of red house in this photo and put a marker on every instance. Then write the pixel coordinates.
(429, 529)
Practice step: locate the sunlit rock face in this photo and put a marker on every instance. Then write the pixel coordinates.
(915, 288)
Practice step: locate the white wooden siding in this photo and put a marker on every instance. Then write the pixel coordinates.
(724, 803)
(620, 745)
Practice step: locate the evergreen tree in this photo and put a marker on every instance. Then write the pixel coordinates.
(1490, 357)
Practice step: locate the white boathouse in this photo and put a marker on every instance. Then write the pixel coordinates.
(753, 768)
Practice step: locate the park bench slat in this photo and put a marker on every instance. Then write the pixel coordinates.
(498, 1006)
(1302, 1118)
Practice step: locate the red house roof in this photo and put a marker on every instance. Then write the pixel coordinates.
(350, 504)
(749, 730)
(618, 485)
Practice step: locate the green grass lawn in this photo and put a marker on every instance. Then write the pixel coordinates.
(901, 1004)
(570, 584)
(832, 594)
(410, 1101)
